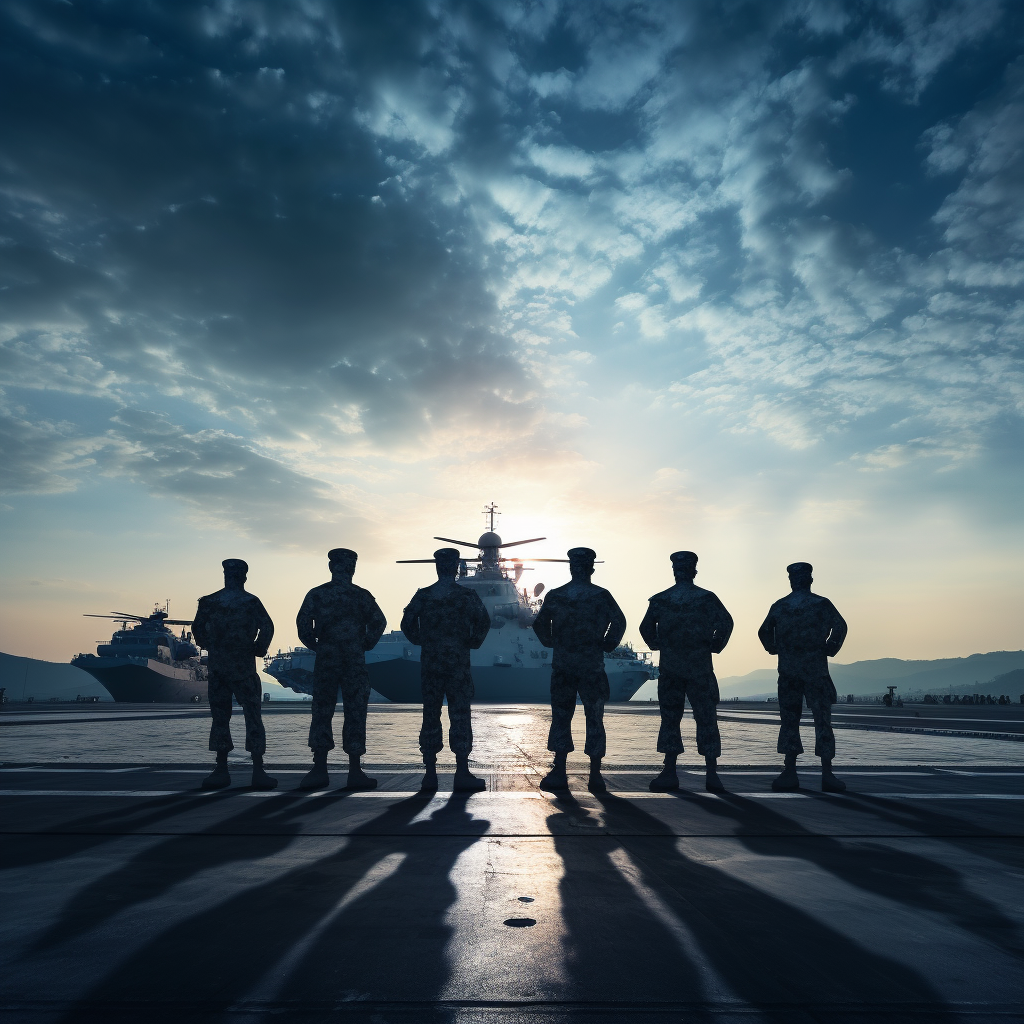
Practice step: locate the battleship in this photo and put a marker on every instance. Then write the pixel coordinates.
(511, 666)
(147, 662)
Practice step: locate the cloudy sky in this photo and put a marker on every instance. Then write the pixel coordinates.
(740, 277)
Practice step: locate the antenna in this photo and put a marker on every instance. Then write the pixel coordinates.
(492, 511)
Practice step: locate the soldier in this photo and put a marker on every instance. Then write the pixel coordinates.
(447, 621)
(804, 630)
(234, 627)
(582, 623)
(687, 624)
(341, 622)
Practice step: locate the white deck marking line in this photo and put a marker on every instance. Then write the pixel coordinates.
(840, 771)
(404, 794)
(278, 975)
(956, 771)
(98, 771)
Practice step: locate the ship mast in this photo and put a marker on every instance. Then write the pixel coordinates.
(492, 511)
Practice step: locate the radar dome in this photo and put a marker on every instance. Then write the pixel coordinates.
(489, 540)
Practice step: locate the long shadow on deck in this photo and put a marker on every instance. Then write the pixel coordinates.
(923, 884)
(365, 921)
(720, 941)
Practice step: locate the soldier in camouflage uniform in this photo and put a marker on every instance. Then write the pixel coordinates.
(447, 621)
(341, 622)
(235, 629)
(804, 630)
(687, 624)
(582, 623)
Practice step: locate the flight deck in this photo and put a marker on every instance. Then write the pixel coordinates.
(129, 894)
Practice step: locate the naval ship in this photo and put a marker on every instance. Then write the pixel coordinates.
(511, 666)
(147, 662)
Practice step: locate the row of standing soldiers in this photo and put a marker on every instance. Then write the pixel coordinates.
(580, 621)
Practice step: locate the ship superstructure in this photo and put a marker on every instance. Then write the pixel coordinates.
(511, 666)
(146, 662)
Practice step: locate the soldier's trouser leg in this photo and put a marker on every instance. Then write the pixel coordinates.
(219, 695)
(670, 738)
(820, 706)
(460, 721)
(595, 744)
(672, 699)
(249, 692)
(431, 737)
(703, 697)
(325, 700)
(355, 693)
(594, 691)
(563, 706)
(791, 705)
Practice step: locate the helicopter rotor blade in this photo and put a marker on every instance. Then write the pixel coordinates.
(431, 561)
(463, 543)
(121, 618)
(599, 561)
(177, 622)
(513, 543)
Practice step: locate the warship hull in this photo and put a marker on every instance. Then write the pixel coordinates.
(143, 680)
(394, 671)
(399, 680)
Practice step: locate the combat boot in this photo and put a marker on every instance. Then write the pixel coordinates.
(829, 783)
(667, 781)
(596, 783)
(260, 779)
(317, 778)
(712, 783)
(556, 779)
(465, 780)
(357, 778)
(429, 783)
(220, 777)
(789, 779)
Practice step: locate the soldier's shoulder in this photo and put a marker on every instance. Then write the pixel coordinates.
(317, 591)
(662, 597)
(213, 598)
(363, 593)
(558, 592)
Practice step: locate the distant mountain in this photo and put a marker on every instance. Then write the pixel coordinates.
(1010, 683)
(974, 674)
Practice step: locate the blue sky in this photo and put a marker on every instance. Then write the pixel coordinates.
(737, 277)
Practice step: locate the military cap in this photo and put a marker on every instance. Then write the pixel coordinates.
(683, 559)
(446, 555)
(341, 555)
(800, 569)
(581, 554)
(235, 565)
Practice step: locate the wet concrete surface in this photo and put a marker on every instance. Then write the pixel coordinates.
(128, 894)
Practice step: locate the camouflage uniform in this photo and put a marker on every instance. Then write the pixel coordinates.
(687, 624)
(234, 627)
(341, 622)
(805, 630)
(447, 621)
(581, 622)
